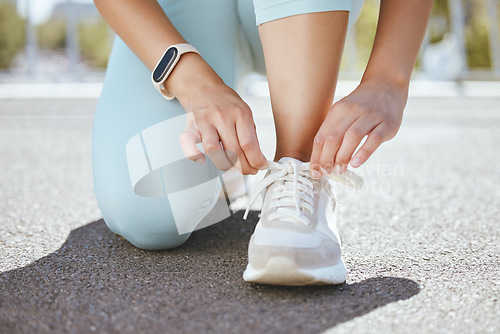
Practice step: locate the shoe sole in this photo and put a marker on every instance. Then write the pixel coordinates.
(283, 271)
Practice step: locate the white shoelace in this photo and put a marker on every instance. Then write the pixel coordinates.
(295, 190)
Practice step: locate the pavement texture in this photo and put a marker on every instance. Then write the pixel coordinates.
(420, 241)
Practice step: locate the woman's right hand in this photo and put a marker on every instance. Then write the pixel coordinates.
(221, 115)
(217, 114)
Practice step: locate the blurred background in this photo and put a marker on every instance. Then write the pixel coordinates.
(67, 41)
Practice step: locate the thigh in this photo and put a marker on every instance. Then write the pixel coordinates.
(212, 27)
(246, 15)
(129, 107)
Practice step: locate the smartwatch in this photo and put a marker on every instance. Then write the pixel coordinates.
(166, 65)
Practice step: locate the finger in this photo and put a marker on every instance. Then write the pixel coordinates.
(332, 142)
(318, 143)
(188, 140)
(352, 138)
(249, 144)
(190, 120)
(230, 141)
(329, 137)
(211, 145)
(374, 140)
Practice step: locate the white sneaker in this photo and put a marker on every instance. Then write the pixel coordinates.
(296, 241)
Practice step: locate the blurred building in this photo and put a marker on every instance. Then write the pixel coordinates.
(83, 11)
(463, 39)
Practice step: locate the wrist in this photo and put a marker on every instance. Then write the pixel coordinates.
(391, 79)
(190, 74)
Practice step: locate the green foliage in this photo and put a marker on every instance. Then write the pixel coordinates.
(440, 7)
(95, 44)
(93, 39)
(94, 36)
(12, 34)
(52, 35)
(366, 26)
(477, 43)
(439, 22)
(476, 30)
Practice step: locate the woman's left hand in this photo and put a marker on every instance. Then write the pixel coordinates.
(373, 109)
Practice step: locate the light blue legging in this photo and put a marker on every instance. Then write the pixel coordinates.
(225, 33)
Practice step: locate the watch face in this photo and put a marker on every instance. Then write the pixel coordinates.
(164, 65)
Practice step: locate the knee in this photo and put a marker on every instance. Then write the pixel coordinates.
(147, 235)
(154, 241)
(148, 226)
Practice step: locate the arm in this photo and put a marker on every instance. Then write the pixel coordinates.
(195, 84)
(156, 34)
(149, 43)
(375, 108)
(400, 32)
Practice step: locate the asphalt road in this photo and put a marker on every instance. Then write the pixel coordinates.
(421, 240)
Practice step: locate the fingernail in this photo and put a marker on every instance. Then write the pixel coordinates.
(339, 169)
(316, 174)
(200, 160)
(355, 162)
(329, 169)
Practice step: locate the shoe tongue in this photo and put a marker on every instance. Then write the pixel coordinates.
(293, 162)
(286, 208)
(290, 160)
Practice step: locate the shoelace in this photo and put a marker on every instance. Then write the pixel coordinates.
(299, 179)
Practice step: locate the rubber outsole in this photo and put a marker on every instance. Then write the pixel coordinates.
(283, 271)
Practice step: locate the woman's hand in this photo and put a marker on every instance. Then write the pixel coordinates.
(216, 114)
(373, 109)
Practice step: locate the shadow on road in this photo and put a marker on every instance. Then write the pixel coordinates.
(98, 282)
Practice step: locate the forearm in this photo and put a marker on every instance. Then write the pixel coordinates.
(147, 31)
(142, 25)
(375, 108)
(400, 32)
